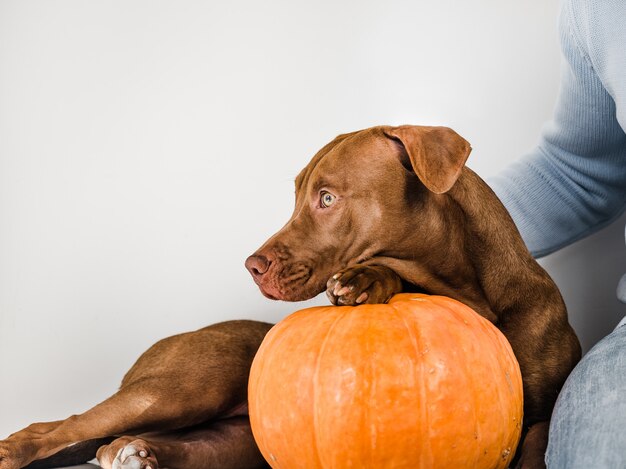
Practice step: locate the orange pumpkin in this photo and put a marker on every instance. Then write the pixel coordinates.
(420, 382)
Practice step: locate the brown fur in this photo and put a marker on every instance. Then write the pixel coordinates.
(183, 402)
(406, 215)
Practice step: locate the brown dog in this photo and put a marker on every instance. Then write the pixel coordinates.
(377, 212)
(184, 402)
(389, 209)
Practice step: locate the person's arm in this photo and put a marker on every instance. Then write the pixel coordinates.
(574, 182)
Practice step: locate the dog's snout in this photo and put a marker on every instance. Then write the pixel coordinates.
(257, 265)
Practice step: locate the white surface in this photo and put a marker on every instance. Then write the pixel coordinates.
(148, 147)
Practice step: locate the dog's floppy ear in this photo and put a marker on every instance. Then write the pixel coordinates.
(437, 154)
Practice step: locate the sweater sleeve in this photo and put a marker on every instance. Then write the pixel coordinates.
(574, 182)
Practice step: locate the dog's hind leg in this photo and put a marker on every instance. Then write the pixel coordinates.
(74, 455)
(180, 382)
(532, 453)
(546, 356)
(225, 444)
(129, 409)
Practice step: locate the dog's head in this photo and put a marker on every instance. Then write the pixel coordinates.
(357, 200)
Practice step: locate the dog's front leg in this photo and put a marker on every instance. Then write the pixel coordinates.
(360, 284)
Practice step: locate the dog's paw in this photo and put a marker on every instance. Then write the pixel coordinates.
(127, 453)
(363, 284)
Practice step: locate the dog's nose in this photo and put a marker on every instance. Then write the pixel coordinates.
(257, 265)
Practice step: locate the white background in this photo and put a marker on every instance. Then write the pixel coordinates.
(148, 147)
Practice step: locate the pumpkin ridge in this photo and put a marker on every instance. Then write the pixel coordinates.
(340, 315)
(501, 398)
(488, 331)
(261, 365)
(368, 410)
(462, 316)
(511, 361)
(422, 389)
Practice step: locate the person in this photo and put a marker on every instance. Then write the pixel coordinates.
(571, 185)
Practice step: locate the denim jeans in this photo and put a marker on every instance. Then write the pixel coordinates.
(588, 426)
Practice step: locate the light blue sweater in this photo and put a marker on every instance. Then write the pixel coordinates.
(574, 182)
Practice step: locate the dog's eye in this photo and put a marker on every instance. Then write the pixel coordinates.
(327, 199)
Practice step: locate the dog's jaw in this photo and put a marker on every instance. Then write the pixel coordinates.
(290, 282)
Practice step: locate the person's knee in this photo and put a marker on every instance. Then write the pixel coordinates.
(587, 424)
